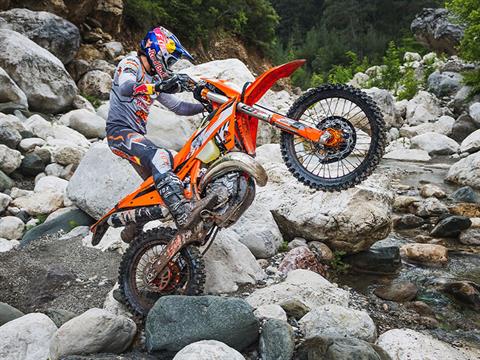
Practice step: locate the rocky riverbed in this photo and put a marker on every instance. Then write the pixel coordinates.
(386, 270)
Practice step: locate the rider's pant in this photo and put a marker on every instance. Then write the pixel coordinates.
(147, 158)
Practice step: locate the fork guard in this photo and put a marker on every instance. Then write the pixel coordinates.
(234, 161)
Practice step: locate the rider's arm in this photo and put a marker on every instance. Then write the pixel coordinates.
(178, 106)
(127, 80)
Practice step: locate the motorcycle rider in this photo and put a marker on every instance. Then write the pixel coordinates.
(138, 80)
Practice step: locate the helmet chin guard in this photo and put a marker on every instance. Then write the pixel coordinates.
(163, 49)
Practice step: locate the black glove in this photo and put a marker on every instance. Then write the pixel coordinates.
(171, 85)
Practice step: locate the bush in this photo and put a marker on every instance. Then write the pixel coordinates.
(410, 84)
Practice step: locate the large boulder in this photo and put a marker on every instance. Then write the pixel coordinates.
(277, 341)
(11, 96)
(302, 286)
(413, 345)
(85, 122)
(471, 143)
(26, 338)
(350, 221)
(424, 107)
(96, 83)
(97, 192)
(386, 103)
(41, 76)
(229, 263)
(435, 144)
(208, 350)
(443, 126)
(444, 83)
(432, 28)
(50, 31)
(93, 332)
(466, 171)
(177, 321)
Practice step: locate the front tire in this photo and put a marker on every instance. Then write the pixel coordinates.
(351, 162)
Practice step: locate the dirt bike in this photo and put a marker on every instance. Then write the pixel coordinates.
(332, 138)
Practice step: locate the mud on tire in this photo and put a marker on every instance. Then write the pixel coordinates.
(372, 157)
(192, 279)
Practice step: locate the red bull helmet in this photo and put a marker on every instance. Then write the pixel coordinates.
(162, 50)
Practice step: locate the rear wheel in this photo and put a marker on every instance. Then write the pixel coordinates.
(185, 274)
(358, 138)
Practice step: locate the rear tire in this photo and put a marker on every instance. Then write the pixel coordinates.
(376, 134)
(190, 281)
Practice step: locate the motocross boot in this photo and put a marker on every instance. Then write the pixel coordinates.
(130, 231)
(185, 213)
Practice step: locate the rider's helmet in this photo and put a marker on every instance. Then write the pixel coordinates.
(162, 50)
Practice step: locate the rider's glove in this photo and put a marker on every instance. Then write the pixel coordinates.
(197, 95)
(171, 85)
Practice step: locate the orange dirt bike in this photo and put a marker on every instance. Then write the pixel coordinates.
(332, 138)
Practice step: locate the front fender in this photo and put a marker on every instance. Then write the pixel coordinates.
(235, 161)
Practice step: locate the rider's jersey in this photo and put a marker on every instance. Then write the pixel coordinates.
(129, 106)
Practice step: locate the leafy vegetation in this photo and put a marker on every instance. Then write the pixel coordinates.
(468, 13)
(337, 263)
(95, 101)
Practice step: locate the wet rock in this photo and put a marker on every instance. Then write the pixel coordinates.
(27, 337)
(425, 253)
(50, 31)
(444, 83)
(466, 209)
(385, 260)
(413, 345)
(306, 287)
(177, 321)
(96, 83)
(408, 155)
(270, 312)
(43, 78)
(451, 226)
(276, 340)
(92, 332)
(229, 263)
(8, 313)
(429, 190)
(343, 348)
(433, 29)
(403, 203)
(397, 291)
(338, 321)
(96, 193)
(408, 221)
(465, 291)
(207, 350)
(465, 194)
(463, 127)
(11, 96)
(435, 144)
(431, 207)
(421, 308)
(63, 222)
(11, 228)
(10, 159)
(322, 251)
(471, 143)
(301, 258)
(470, 237)
(466, 171)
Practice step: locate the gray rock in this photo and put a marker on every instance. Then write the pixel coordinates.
(296, 243)
(9, 136)
(271, 312)
(347, 348)
(424, 107)
(463, 127)
(40, 75)
(30, 144)
(451, 226)
(32, 165)
(79, 102)
(432, 28)
(27, 337)
(11, 96)
(8, 313)
(4, 202)
(386, 102)
(384, 260)
(86, 123)
(5, 182)
(399, 291)
(113, 49)
(408, 221)
(177, 321)
(96, 193)
(208, 350)
(444, 83)
(96, 83)
(10, 159)
(443, 125)
(431, 207)
(60, 316)
(276, 340)
(435, 144)
(11, 227)
(338, 321)
(465, 194)
(50, 31)
(466, 171)
(474, 112)
(471, 143)
(470, 237)
(94, 331)
(65, 222)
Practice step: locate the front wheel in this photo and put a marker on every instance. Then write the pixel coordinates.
(358, 138)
